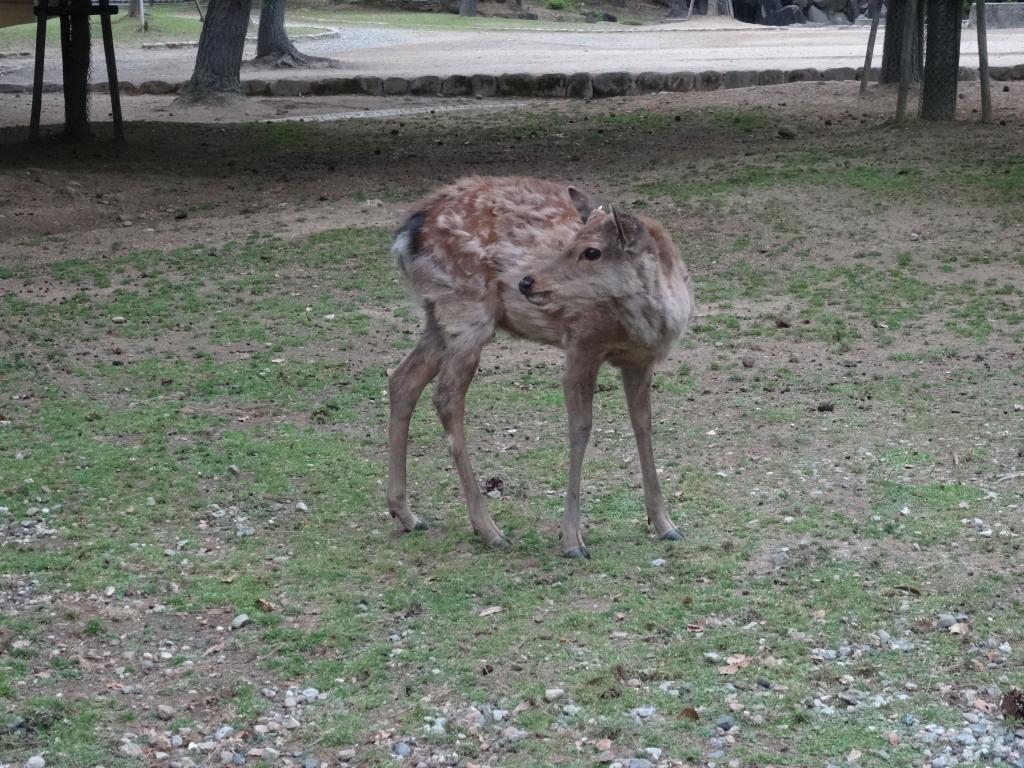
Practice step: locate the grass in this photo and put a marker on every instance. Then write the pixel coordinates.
(171, 452)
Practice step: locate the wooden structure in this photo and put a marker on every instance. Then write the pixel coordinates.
(22, 11)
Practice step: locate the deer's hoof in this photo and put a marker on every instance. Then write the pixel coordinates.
(578, 553)
(501, 541)
(672, 535)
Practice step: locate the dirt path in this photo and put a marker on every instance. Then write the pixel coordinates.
(384, 51)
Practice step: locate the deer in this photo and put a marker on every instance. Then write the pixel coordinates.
(543, 262)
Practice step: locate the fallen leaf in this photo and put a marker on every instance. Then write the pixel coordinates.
(907, 589)
(265, 605)
(735, 663)
(522, 706)
(689, 713)
(694, 627)
(214, 649)
(490, 611)
(229, 579)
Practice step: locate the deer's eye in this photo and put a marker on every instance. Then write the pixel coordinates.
(591, 254)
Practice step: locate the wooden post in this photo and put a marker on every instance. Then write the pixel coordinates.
(42, 11)
(876, 9)
(906, 59)
(986, 84)
(108, 53)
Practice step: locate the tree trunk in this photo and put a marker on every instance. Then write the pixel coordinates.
(942, 66)
(273, 48)
(467, 8)
(76, 70)
(893, 42)
(219, 59)
(678, 9)
(906, 59)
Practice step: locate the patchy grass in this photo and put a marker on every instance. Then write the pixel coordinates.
(823, 435)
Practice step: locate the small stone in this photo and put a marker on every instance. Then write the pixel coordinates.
(311, 694)
(290, 723)
(514, 734)
(787, 132)
(748, 361)
(291, 702)
(300, 506)
(177, 741)
(644, 712)
(653, 752)
(224, 732)
(658, 562)
(165, 712)
(946, 620)
(240, 621)
(402, 749)
(914, 237)
(309, 762)
(347, 754)
(36, 761)
(553, 694)
(725, 722)
(118, 320)
(571, 710)
(498, 715)
(639, 762)
(131, 749)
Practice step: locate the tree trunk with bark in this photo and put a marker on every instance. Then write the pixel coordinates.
(893, 42)
(219, 60)
(467, 8)
(942, 66)
(273, 47)
(76, 62)
(986, 85)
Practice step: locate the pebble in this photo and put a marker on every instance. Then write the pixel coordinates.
(118, 320)
(787, 132)
(653, 752)
(553, 694)
(643, 712)
(300, 506)
(402, 750)
(639, 762)
(658, 562)
(311, 694)
(131, 749)
(571, 710)
(290, 723)
(36, 761)
(240, 621)
(946, 620)
(164, 711)
(498, 715)
(224, 732)
(726, 722)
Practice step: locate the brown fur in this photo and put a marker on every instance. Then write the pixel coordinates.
(519, 254)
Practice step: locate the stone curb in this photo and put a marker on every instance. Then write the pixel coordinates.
(578, 85)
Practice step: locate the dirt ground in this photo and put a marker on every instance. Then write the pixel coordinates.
(841, 435)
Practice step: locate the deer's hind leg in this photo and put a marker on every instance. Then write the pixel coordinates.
(462, 355)
(404, 389)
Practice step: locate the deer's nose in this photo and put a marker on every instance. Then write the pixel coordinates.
(525, 285)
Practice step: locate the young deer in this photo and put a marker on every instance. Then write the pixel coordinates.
(542, 262)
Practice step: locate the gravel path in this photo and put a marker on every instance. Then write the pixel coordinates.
(383, 51)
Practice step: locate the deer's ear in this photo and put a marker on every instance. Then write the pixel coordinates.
(584, 203)
(628, 229)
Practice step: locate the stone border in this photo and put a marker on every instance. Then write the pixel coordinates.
(579, 85)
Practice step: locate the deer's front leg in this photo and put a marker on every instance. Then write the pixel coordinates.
(637, 384)
(579, 384)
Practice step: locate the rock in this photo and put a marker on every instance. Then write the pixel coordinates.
(224, 732)
(548, 86)
(681, 82)
(336, 86)
(311, 694)
(571, 710)
(300, 506)
(427, 85)
(553, 694)
(771, 77)
(613, 84)
(514, 734)
(639, 762)
(36, 761)
(130, 749)
(456, 85)
(653, 752)
(498, 715)
(658, 562)
(816, 16)
(290, 723)
(652, 82)
(579, 86)
(725, 722)
(165, 711)
(790, 14)
(741, 78)
(347, 754)
(708, 80)
(240, 621)
(484, 85)
(787, 132)
(401, 749)
(946, 620)
(118, 320)
(157, 87)
(517, 84)
(643, 712)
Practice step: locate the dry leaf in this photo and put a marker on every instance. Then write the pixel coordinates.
(214, 649)
(491, 611)
(694, 627)
(522, 706)
(735, 663)
(689, 713)
(229, 579)
(265, 605)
